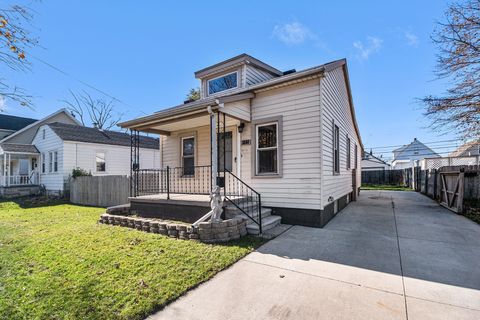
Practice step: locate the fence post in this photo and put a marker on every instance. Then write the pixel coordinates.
(168, 183)
(435, 184)
(426, 182)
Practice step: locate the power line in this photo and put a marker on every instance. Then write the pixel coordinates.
(84, 83)
(394, 146)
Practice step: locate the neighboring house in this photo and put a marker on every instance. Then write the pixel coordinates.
(372, 163)
(289, 137)
(11, 124)
(411, 154)
(64, 147)
(469, 149)
(46, 151)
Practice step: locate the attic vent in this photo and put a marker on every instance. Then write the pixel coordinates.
(289, 72)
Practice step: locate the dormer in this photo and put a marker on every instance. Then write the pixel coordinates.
(234, 74)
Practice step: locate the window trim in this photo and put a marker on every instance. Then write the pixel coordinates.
(221, 76)
(349, 153)
(50, 162)
(194, 156)
(105, 160)
(336, 149)
(44, 163)
(254, 132)
(356, 157)
(55, 161)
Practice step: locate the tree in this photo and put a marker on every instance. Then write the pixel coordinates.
(458, 60)
(99, 111)
(193, 94)
(15, 40)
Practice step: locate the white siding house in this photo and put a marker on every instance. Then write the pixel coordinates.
(65, 147)
(291, 137)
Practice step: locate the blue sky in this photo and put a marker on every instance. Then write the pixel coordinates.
(145, 53)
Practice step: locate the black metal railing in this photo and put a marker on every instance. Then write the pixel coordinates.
(178, 180)
(243, 197)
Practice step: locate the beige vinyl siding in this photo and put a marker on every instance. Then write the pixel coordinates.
(255, 75)
(171, 152)
(53, 181)
(336, 110)
(299, 185)
(238, 109)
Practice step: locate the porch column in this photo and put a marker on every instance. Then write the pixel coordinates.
(4, 169)
(215, 197)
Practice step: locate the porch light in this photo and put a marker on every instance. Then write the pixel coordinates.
(241, 127)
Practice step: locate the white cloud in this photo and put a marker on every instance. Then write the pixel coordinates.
(372, 45)
(412, 39)
(3, 103)
(292, 33)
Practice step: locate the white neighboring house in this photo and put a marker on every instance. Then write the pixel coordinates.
(289, 137)
(468, 149)
(410, 155)
(373, 163)
(64, 147)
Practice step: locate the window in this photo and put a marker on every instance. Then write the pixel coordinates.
(43, 134)
(222, 83)
(336, 149)
(267, 148)
(348, 154)
(50, 161)
(43, 163)
(100, 161)
(356, 161)
(55, 161)
(188, 156)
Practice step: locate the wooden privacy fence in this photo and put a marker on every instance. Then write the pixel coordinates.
(398, 177)
(101, 191)
(449, 185)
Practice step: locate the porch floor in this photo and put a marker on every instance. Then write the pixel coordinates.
(202, 200)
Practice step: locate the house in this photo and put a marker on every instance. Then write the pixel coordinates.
(46, 152)
(468, 149)
(411, 154)
(275, 145)
(10, 124)
(372, 163)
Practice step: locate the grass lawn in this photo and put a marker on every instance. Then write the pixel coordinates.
(385, 187)
(56, 262)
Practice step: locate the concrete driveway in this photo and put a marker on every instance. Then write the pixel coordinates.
(390, 255)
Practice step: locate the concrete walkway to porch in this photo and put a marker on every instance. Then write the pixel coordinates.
(390, 255)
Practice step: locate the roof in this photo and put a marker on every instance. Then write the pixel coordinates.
(70, 132)
(236, 61)
(38, 123)
(274, 82)
(369, 157)
(19, 148)
(14, 123)
(464, 148)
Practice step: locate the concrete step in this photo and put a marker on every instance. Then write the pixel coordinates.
(266, 212)
(267, 224)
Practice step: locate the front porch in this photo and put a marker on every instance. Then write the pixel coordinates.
(18, 165)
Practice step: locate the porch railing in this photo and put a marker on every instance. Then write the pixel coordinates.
(178, 180)
(243, 197)
(19, 180)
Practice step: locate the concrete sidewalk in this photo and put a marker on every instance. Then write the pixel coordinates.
(390, 255)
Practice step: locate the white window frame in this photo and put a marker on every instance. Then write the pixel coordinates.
(349, 153)
(192, 156)
(104, 160)
(44, 163)
(257, 126)
(223, 75)
(356, 156)
(50, 161)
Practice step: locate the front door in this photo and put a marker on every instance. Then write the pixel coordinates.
(225, 151)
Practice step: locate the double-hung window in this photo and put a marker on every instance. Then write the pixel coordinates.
(55, 161)
(50, 161)
(44, 160)
(100, 161)
(267, 149)
(188, 156)
(336, 149)
(356, 154)
(226, 82)
(348, 153)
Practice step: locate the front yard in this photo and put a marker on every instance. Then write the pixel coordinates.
(56, 262)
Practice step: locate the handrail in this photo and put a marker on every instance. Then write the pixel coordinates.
(245, 197)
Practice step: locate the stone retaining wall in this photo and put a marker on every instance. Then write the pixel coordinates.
(209, 232)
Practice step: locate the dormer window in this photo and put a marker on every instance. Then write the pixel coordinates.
(226, 82)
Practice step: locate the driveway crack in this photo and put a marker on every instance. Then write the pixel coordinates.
(400, 257)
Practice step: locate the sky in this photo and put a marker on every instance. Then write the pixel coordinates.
(144, 54)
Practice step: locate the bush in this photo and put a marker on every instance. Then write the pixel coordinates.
(78, 172)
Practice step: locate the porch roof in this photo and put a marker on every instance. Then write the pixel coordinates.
(17, 148)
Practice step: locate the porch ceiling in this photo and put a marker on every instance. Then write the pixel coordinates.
(188, 122)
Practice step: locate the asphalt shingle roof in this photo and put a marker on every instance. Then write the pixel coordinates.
(70, 132)
(14, 123)
(20, 148)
